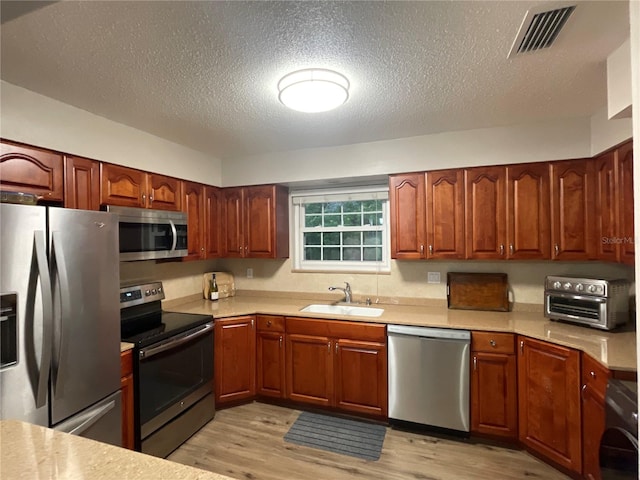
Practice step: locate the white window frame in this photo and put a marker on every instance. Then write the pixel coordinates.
(343, 194)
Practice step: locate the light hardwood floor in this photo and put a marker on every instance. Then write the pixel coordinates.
(246, 442)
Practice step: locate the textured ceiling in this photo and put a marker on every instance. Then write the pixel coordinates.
(204, 74)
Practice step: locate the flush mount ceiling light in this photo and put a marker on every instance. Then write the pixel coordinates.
(313, 90)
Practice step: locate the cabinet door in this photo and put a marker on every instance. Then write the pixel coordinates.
(164, 193)
(126, 389)
(309, 369)
(445, 214)
(31, 170)
(213, 222)
(494, 396)
(594, 385)
(407, 205)
(485, 212)
(235, 359)
(193, 206)
(260, 222)
(572, 210)
(81, 183)
(528, 220)
(549, 401)
(270, 364)
(626, 253)
(606, 225)
(122, 186)
(361, 377)
(233, 224)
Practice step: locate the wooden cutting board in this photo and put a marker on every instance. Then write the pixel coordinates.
(478, 291)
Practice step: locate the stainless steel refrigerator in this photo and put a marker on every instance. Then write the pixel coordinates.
(60, 320)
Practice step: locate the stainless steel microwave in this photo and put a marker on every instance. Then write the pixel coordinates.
(150, 234)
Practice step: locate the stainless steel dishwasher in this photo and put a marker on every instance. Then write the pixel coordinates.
(429, 376)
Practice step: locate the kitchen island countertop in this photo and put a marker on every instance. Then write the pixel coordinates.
(615, 350)
(39, 453)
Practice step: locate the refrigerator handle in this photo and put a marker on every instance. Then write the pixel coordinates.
(39, 249)
(84, 422)
(60, 269)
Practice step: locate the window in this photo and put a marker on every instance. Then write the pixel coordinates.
(342, 230)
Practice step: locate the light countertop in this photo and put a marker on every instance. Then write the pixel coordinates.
(615, 350)
(38, 453)
(124, 346)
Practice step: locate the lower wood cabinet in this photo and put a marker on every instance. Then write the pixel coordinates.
(494, 387)
(270, 356)
(594, 386)
(234, 359)
(549, 401)
(337, 364)
(126, 389)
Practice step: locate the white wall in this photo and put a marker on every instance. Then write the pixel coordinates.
(555, 140)
(31, 118)
(607, 133)
(619, 82)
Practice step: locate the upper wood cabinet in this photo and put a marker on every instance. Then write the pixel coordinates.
(193, 206)
(213, 222)
(485, 209)
(81, 183)
(606, 203)
(407, 216)
(572, 210)
(129, 187)
(528, 220)
(445, 214)
(31, 170)
(234, 359)
(256, 221)
(549, 401)
(626, 248)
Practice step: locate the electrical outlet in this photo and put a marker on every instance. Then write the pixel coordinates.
(249, 272)
(433, 277)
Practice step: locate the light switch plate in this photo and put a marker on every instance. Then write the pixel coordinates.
(249, 272)
(433, 277)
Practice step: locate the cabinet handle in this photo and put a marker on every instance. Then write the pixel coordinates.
(280, 341)
(336, 347)
(584, 388)
(202, 249)
(421, 249)
(492, 343)
(144, 199)
(522, 346)
(252, 323)
(329, 347)
(556, 248)
(475, 363)
(511, 249)
(430, 249)
(268, 323)
(501, 249)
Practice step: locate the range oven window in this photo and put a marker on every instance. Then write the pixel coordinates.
(171, 375)
(575, 307)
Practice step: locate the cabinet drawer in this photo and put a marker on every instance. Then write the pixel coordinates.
(126, 363)
(270, 323)
(492, 342)
(595, 376)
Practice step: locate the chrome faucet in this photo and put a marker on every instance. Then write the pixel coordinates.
(346, 290)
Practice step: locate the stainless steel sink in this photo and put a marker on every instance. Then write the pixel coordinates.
(345, 309)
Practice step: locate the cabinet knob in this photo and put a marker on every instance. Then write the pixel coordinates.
(268, 323)
(492, 343)
(430, 249)
(521, 346)
(336, 347)
(329, 346)
(144, 199)
(280, 341)
(592, 374)
(475, 363)
(151, 198)
(511, 249)
(421, 249)
(556, 249)
(501, 249)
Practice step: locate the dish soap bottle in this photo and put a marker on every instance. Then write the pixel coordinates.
(213, 288)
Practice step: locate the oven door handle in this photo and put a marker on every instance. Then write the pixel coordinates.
(173, 343)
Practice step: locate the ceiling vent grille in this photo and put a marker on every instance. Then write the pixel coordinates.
(539, 30)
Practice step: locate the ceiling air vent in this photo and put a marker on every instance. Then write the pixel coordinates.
(539, 30)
